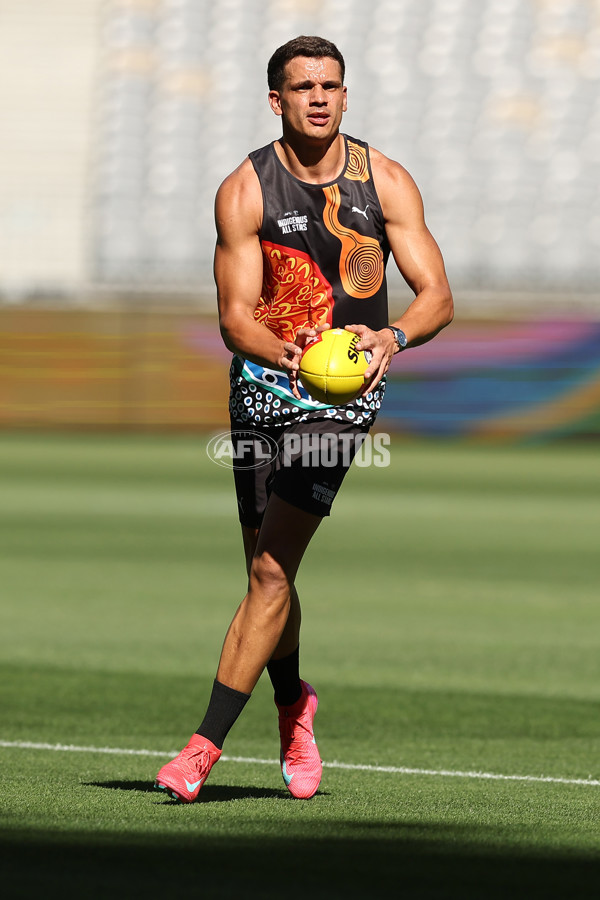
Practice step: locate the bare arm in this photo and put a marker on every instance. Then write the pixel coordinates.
(238, 270)
(420, 262)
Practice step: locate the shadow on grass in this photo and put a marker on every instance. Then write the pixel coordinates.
(210, 793)
(407, 860)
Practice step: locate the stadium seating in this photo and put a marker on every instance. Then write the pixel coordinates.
(111, 169)
(492, 106)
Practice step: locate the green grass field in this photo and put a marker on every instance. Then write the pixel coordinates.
(451, 625)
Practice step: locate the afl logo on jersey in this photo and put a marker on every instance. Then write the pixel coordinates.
(292, 221)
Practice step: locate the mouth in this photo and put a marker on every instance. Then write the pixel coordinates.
(318, 118)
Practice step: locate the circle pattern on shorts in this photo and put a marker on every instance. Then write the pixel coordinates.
(249, 402)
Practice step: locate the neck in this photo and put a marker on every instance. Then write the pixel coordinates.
(313, 163)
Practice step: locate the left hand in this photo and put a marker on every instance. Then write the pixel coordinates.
(382, 346)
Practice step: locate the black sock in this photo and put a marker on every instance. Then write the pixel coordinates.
(285, 678)
(224, 707)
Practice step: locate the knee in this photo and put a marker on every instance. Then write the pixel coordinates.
(269, 578)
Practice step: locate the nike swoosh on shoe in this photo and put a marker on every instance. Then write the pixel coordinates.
(192, 787)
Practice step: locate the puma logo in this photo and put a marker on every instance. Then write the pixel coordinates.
(363, 212)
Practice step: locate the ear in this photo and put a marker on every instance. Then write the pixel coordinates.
(275, 102)
(345, 103)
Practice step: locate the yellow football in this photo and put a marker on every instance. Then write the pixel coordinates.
(332, 369)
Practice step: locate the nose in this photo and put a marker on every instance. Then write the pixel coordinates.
(318, 95)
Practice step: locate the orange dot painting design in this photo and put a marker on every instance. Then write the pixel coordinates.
(358, 166)
(295, 292)
(361, 259)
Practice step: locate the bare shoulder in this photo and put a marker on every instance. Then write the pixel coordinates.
(395, 185)
(239, 199)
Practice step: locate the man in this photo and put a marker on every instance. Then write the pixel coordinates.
(305, 226)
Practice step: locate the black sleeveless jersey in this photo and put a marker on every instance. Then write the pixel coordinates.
(324, 256)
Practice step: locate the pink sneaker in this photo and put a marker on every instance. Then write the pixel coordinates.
(301, 765)
(183, 777)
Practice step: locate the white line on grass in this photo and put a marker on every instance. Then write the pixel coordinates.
(391, 770)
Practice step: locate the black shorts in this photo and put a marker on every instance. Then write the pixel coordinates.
(303, 463)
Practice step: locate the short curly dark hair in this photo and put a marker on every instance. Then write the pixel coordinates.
(304, 45)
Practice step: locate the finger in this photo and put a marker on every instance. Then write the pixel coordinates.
(372, 378)
(367, 337)
(294, 386)
(374, 367)
(294, 356)
(376, 379)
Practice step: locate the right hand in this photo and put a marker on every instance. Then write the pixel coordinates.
(293, 351)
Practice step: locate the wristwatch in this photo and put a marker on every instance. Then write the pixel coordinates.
(399, 336)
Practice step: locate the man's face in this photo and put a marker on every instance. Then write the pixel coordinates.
(312, 98)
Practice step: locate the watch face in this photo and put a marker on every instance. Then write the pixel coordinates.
(400, 337)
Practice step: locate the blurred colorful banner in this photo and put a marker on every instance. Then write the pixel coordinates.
(162, 369)
(500, 380)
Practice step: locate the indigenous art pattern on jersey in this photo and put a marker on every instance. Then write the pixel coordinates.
(358, 163)
(299, 294)
(361, 259)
